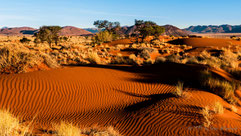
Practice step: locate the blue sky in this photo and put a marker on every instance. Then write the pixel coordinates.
(82, 13)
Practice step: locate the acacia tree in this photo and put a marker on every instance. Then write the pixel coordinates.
(111, 31)
(105, 24)
(148, 28)
(48, 34)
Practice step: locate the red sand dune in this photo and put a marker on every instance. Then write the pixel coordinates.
(132, 40)
(136, 101)
(121, 41)
(206, 42)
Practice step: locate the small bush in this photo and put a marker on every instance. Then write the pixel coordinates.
(119, 59)
(205, 55)
(156, 42)
(49, 61)
(173, 58)
(145, 54)
(192, 60)
(102, 37)
(18, 59)
(148, 62)
(25, 40)
(132, 57)
(94, 58)
(160, 60)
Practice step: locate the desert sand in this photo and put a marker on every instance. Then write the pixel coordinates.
(134, 100)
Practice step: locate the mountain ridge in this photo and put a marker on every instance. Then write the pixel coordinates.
(65, 31)
(75, 31)
(225, 28)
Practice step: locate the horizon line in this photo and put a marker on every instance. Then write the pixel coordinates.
(121, 26)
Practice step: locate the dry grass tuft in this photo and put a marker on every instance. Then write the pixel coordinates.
(223, 88)
(49, 61)
(234, 109)
(160, 60)
(109, 131)
(179, 89)
(18, 59)
(132, 57)
(94, 58)
(68, 129)
(207, 116)
(10, 126)
(218, 108)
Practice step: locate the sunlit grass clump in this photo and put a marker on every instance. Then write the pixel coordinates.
(18, 59)
(218, 108)
(68, 129)
(205, 112)
(223, 88)
(178, 92)
(10, 125)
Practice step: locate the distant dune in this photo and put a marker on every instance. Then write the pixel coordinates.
(66, 31)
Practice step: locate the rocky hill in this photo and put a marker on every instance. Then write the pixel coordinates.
(169, 30)
(18, 31)
(73, 31)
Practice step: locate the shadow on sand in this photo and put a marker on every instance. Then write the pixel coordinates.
(151, 100)
(167, 73)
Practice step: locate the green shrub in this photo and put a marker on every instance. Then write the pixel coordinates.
(102, 37)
